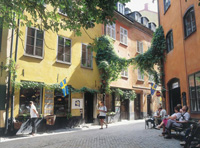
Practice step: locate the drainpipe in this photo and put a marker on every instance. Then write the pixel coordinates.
(13, 87)
(9, 78)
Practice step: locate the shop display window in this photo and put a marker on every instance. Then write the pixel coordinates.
(60, 103)
(27, 95)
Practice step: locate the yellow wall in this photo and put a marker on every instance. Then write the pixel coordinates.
(47, 69)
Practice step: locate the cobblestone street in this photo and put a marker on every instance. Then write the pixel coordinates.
(126, 134)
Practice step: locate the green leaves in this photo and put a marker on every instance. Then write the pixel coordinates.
(146, 62)
(108, 62)
(76, 14)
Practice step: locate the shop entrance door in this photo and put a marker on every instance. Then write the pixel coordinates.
(149, 105)
(125, 109)
(89, 107)
(174, 94)
(137, 107)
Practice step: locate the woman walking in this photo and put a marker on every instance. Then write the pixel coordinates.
(102, 114)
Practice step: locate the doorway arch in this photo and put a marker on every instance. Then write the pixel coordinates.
(174, 93)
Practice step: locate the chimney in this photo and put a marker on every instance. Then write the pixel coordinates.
(146, 6)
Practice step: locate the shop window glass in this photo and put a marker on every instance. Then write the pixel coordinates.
(194, 89)
(60, 103)
(27, 95)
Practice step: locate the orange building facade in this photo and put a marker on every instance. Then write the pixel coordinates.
(131, 37)
(181, 24)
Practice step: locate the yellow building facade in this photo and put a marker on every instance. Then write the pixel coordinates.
(48, 57)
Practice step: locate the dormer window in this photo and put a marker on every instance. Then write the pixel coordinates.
(137, 17)
(145, 21)
(120, 7)
(152, 26)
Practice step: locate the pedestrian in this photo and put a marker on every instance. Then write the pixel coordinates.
(34, 115)
(102, 114)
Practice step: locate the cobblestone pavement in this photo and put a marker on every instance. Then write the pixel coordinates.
(126, 134)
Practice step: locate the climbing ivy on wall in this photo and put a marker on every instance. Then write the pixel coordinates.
(109, 63)
(154, 56)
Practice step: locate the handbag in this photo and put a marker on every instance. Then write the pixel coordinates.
(98, 116)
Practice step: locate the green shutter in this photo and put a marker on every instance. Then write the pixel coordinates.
(2, 97)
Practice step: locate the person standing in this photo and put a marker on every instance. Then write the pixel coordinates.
(102, 114)
(34, 115)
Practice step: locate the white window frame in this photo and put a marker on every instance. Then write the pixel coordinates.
(112, 29)
(35, 56)
(140, 75)
(123, 36)
(86, 56)
(139, 47)
(64, 50)
(120, 7)
(124, 73)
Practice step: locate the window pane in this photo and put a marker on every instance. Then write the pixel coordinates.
(197, 80)
(67, 54)
(40, 35)
(192, 93)
(30, 41)
(61, 40)
(60, 53)
(31, 32)
(29, 49)
(38, 51)
(83, 55)
(39, 43)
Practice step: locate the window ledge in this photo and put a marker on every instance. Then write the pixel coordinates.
(124, 77)
(124, 44)
(62, 13)
(91, 68)
(62, 62)
(140, 80)
(190, 34)
(32, 56)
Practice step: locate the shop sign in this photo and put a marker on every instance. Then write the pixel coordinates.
(48, 102)
(158, 93)
(77, 103)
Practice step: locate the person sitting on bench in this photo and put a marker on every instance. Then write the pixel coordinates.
(185, 116)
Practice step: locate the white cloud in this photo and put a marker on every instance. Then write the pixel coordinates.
(136, 5)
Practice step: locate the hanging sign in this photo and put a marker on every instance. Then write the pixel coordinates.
(158, 93)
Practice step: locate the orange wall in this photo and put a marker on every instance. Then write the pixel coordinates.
(184, 59)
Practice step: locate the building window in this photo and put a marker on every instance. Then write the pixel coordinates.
(124, 73)
(64, 50)
(139, 47)
(86, 60)
(123, 36)
(169, 39)
(110, 30)
(194, 88)
(189, 22)
(167, 3)
(151, 78)
(30, 94)
(34, 42)
(120, 7)
(137, 17)
(140, 75)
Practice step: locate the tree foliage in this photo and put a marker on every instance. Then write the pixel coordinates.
(80, 13)
(146, 62)
(108, 62)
